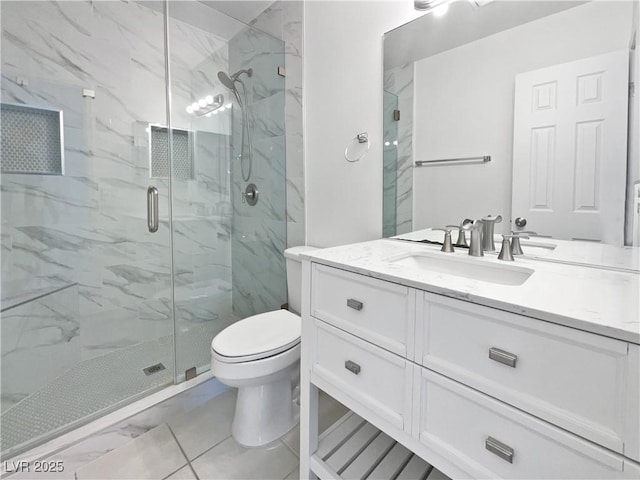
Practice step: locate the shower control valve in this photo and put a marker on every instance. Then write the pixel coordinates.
(250, 195)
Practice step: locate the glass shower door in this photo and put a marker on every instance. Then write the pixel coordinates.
(86, 320)
(228, 258)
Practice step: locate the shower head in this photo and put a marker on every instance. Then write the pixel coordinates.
(227, 81)
(230, 80)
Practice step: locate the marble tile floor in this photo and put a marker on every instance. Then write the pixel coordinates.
(96, 384)
(185, 437)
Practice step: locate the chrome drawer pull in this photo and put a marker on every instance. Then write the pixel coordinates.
(498, 448)
(355, 304)
(500, 356)
(352, 367)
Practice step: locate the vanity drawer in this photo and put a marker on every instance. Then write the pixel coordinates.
(379, 380)
(378, 311)
(573, 379)
(489, 439)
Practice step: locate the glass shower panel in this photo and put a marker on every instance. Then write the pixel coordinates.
(86, 320)
(227, 254)
(389, 164)
(259, 231)
(398, 151)
(201, 198)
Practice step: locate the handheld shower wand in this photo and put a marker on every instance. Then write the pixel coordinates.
(230, 81)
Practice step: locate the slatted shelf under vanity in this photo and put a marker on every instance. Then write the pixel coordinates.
(352, 448)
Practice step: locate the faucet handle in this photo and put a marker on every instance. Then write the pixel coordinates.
(462, 238)
(505, 252)
(496, 218)
(447, 247)
(472, 225)
(516, 248)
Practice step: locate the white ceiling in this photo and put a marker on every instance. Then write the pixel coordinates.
(243, 10)
(463, 23)
(222, 18)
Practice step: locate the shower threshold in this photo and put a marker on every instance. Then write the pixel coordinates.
(91, 390)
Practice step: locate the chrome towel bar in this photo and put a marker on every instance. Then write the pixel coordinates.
(482, 159)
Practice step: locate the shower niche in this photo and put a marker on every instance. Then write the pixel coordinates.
(183, 152)
(32, 140)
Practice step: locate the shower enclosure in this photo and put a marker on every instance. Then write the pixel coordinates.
(104, 104)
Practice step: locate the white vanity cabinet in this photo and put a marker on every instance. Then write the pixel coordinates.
(361, 368)
(490, 439)
(475, 391)
(362, 333)
(570, 378)
(377, 311)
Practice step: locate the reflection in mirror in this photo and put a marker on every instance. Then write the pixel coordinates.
(540, 87)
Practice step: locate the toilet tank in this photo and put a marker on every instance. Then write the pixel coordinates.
(294, 275)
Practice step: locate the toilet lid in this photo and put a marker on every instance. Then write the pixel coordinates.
(265, 333)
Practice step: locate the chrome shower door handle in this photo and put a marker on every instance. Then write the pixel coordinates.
(152, 209)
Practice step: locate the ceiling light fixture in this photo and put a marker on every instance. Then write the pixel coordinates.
(207, 105)
(429, 5)
(440, 10)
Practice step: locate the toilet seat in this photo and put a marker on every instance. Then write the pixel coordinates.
(257, 337)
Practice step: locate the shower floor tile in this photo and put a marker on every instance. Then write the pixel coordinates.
(185, 437)
(98, 384)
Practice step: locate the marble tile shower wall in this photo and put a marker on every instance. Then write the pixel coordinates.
(283, 20)
(261, 233)
(88, 228)
(399, 82)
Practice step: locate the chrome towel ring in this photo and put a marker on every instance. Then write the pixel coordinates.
(361, 138)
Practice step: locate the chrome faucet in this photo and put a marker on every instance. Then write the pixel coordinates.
(475, 246)
(487, 233)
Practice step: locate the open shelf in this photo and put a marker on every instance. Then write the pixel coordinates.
(352, 448)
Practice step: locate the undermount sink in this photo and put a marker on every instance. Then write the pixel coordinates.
(464, 267)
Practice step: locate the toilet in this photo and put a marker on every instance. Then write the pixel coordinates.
(260, 356)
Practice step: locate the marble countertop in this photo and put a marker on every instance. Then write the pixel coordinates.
(601, 301)
(551, 249)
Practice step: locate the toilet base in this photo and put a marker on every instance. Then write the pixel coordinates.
(264, 413)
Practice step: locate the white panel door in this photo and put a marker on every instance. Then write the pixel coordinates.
(570, 147)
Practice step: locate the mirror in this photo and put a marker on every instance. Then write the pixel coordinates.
(514, 108)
